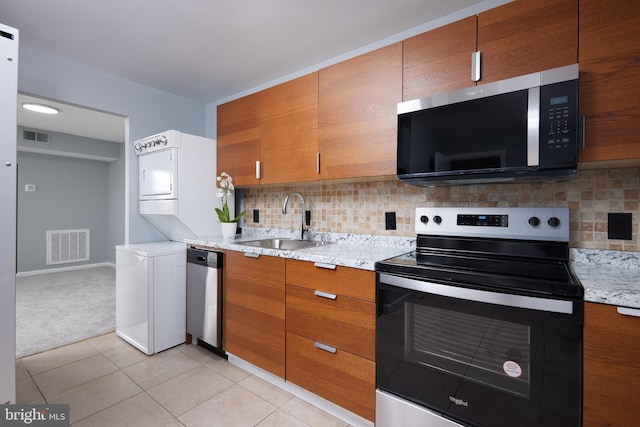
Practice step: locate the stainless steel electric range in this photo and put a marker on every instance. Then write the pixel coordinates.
(482, 324)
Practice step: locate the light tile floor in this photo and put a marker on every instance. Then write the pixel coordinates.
(107, 382)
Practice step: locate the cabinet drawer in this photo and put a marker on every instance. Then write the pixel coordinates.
(346, 323)
(350, 282)
(341, 377)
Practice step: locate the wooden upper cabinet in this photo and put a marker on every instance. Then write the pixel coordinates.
(289, 131)
(526, 36)
(239, 139)
(358, 115)
(609, 79)
(439, 60)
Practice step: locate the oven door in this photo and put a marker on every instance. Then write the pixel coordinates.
(480, 358)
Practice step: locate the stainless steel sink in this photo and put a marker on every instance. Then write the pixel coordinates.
(282, 244)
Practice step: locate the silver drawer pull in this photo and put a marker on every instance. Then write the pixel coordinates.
(629, 311)
(324, 294)
(250, 255)
(323, 265)
(325, 347)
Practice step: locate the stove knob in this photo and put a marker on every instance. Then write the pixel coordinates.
(437, 219)
(554, 221)
(424, 219)
(534, 221)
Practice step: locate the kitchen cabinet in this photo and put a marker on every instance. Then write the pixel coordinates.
(524, 36)
(517, 38)
(238, 128)
(439, 60)
(289, 131)
(254, 310)
(611, 370)
(330, 324)
(358, 115)
(609, 79)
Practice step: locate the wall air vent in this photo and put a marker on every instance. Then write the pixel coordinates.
(36, 136)
(64, 246)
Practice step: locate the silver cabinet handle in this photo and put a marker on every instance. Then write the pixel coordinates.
(325, 347)
(629, 311)
(475, 66)
(257, 169)
(326, 295)
(250, 255)
(318, 162)
(323, 265)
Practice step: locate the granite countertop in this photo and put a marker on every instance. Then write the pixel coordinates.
(349, 250)
(608, 277)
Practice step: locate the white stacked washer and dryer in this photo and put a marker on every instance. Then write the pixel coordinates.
(177, 186)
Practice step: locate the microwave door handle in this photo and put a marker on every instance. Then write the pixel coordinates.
(533, 127)
(476, 295)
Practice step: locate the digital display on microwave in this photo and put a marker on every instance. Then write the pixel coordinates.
(559, 100)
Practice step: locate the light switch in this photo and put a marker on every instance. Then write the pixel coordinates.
(30, 187)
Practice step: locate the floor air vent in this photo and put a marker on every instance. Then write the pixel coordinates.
(65, 246)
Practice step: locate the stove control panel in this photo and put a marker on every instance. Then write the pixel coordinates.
(549, 224)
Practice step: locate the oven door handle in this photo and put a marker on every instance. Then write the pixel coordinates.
(498, 298)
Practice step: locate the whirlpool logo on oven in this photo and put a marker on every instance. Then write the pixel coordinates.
(459, 402)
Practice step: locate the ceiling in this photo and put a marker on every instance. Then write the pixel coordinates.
(72, 119)
(208, 50)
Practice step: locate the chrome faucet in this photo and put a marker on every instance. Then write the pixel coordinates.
(284, 211)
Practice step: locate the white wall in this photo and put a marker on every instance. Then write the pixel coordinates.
(149, 111)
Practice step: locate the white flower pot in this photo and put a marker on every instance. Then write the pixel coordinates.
(229, 230)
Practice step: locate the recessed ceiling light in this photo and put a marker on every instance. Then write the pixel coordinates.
(40, 108)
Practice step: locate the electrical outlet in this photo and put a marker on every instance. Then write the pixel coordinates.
(390, 220)
(256, 215)
(619, 226)
(307, 217)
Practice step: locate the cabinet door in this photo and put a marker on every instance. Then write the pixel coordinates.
(346, 323)
(239, 139)
(611, 370)
(526, 36)
(358, 115)
(254, 310)
(349, 282)
(609, 79)
(341, 377)
(439, 60)
(289, 131)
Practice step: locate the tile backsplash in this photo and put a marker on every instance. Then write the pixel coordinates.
(359, 207)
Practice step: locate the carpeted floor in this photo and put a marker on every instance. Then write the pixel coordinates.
(55, 309)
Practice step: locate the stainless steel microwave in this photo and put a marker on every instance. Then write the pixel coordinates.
(521, 127)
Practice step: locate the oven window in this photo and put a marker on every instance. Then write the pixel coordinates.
(488, 351)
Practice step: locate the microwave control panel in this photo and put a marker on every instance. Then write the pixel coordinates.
(559, 124)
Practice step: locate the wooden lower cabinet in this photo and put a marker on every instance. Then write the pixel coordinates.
(254, 310)
(611, 367)
(341, 377)
(343, 322)
(331, 319)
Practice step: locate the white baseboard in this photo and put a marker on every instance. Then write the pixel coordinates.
(59, 269)
(317, 401)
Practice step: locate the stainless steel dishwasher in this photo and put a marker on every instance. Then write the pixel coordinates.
(204, 298)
